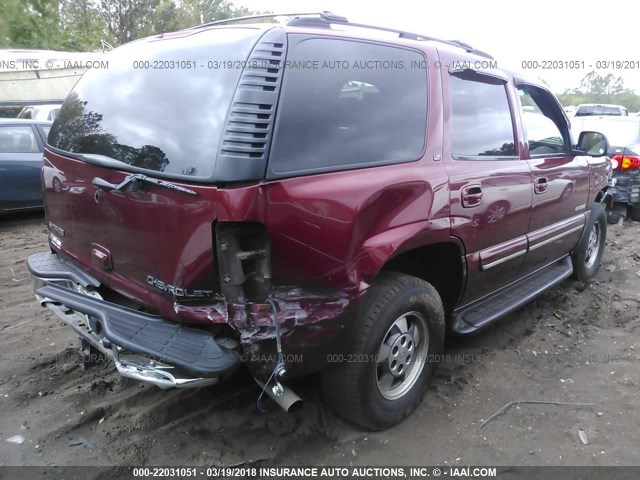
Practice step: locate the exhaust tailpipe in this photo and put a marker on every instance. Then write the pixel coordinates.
(282, 395)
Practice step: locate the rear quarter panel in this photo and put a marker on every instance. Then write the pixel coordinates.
(339, 229)
(600, 172)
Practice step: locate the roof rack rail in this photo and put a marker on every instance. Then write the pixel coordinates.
(325, 19)
(416, 36)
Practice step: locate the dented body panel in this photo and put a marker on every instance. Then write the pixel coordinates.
(327, 237)
(278, 268)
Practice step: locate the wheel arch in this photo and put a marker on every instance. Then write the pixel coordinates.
(602, 197)
(441, 264)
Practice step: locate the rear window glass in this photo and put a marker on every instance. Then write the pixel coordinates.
(349, 104)
(161, 104)
(18, 139)
(589, 110)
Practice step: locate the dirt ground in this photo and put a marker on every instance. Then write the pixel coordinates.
(575, 344)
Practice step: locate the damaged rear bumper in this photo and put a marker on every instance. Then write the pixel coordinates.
(143, 347)
(626, 188)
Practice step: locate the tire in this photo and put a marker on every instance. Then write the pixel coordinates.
(374, 394)
(616, 212)
(587, 255)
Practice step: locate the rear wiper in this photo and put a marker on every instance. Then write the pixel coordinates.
(131, 182)
(104, 161)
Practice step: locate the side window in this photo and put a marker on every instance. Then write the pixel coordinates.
(482, 124)
(17, 139)
(359, 105)
(543, 120)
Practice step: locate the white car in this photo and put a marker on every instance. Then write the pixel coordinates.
(41, 112)
(601, 110)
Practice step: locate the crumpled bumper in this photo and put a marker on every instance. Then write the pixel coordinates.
(144, 347)
(626, 188)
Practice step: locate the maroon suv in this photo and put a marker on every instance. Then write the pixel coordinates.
(310, 196)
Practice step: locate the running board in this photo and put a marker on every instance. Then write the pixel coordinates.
(479, 315)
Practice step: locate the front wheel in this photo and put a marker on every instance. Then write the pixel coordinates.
(587, 255)
(399, 338)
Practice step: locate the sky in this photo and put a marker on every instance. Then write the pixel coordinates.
(512, 32)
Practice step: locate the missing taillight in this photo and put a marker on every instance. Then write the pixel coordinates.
(244, 265)
(626, 162)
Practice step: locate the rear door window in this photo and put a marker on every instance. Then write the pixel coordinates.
(18, 139)
(348, 104)
(482, 124)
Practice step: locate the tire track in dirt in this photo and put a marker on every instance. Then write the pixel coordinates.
(43, 389)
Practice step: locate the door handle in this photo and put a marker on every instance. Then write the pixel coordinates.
(540, 185)
(471, 196)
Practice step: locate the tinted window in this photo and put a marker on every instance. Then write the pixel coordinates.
(361, 105)
(166, 119)
(18, 139)
(542, 119)
(600, 110)
(482, 125)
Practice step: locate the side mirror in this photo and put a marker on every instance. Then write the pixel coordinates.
(594, 144)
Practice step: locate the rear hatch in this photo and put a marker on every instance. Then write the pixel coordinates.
(158, 111)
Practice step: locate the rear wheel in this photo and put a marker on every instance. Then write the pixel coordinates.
(587, 255)
(393, 357)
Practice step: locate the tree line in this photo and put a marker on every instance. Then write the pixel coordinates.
(596, 88)
(85, 25)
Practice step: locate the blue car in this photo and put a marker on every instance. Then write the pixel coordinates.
(21, 144)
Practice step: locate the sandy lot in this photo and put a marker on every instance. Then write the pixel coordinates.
(575, 344)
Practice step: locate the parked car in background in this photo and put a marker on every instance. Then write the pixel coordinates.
(599, 110)
(47, 112)
(21, 145)
(623, 134)
(570, 110)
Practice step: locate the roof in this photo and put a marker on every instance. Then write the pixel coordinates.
(23, 121)
(328, 21)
